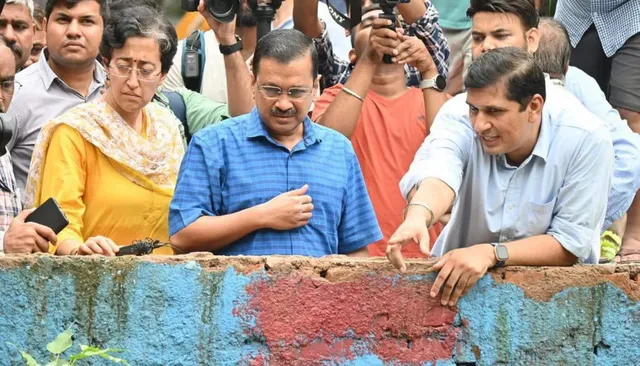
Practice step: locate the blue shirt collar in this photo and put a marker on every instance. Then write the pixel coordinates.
(255, 128)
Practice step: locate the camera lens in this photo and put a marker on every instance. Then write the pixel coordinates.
(223, 10)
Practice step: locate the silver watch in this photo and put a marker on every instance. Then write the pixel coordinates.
(438, 83)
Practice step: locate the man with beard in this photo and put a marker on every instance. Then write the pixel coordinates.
(18, 29)
(66, 75)
(272, 181)
(213, 77)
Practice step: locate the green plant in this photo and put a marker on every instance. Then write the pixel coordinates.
(62, 343)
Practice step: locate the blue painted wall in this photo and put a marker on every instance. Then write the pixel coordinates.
(184, 312)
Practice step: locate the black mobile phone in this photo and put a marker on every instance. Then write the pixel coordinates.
(50, 215)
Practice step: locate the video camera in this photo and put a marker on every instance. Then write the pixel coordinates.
(7, 125)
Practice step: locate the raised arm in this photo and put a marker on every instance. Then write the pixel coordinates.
(238, 76)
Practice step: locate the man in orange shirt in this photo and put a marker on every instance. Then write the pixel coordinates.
(385, 120)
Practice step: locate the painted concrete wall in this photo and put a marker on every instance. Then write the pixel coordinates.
(206, 310)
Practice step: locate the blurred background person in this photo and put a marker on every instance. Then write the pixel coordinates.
(40, 36)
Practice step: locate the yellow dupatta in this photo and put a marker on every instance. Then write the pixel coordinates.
(151, 161)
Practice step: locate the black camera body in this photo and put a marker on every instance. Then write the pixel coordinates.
(221, 10)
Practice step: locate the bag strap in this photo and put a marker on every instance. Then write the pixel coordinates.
(176, 103)
(194, 43)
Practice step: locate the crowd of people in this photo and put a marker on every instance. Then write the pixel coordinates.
(473, 131)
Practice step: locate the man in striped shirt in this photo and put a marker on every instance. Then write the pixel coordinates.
(272, 182)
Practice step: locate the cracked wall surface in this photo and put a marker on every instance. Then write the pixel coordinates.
(207, 310)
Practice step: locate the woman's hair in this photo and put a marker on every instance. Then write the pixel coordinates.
(139, 18)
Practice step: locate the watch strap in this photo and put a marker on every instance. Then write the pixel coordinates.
(228, 50)
(430, 83)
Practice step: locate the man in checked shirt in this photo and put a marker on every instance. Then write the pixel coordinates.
(419, 19)
(16, 236)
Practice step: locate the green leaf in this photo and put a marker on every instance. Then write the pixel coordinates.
(61, 343)
(30, 360)
(94, 351)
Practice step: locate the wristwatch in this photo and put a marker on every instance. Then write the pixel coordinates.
(502, 253)
(438, 83)
(228, 50)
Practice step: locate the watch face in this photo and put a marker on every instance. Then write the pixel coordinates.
(441, 82)
(502, 252)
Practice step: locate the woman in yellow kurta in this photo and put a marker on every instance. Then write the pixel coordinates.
(112, 164)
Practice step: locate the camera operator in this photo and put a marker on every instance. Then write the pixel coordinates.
(16, 236)
(212, 80)
(419, 19)
(385, 121)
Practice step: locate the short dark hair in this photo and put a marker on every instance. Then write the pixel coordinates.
(69, 4)
(525, 10)
(139, 21)
(522, 77)
(554, 51)
(285, 45)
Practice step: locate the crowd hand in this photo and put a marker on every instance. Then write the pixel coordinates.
(412, 229)
(460, 269)
(99, 245)
(413, 51)
(288, 210)
(27, 237)
(382, 40)
(225, 32)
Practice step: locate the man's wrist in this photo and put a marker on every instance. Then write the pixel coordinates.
(227, 40)
(418, 213)
(490, 255)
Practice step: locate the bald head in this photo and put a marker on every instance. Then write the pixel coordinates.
(554, 51)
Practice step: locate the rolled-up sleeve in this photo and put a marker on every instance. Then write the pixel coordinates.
(582, 201)
(445, 152)
(198, 190)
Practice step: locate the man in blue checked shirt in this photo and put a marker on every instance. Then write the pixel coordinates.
(528, 184)
(272, 182)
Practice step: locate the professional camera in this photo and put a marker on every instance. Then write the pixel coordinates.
(388, 7)
(7, 125)
(221, 10)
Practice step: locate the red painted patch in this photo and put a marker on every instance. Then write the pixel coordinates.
(303, 320)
